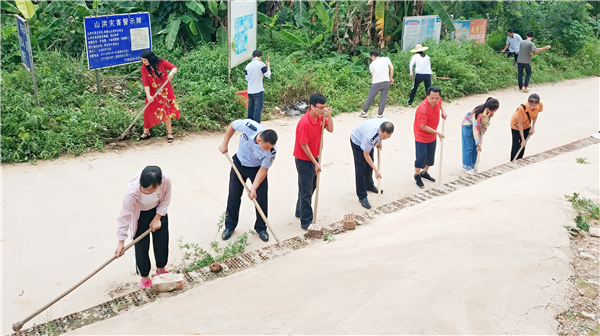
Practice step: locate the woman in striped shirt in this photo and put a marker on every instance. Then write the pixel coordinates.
(474, 126)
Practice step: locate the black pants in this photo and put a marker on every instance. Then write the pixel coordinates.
(418, 79)
(307, 182)
(516, 143)
(362, 171)
(527, 68)
(515, 54)
(160, 242)
(236, 189)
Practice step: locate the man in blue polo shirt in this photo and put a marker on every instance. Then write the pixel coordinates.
(255, 155)
(363, 139)
(255, 71)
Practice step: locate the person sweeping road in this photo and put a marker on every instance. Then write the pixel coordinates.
(427, 119)
(364, 138)
(306, 154)
(474, 126)
(255, 155)
(145, 206)
(164, 107)
(522, 124)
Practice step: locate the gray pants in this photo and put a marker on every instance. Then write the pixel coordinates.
(384, 87)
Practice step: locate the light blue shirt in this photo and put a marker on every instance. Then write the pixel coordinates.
(366, 134)
(514, 42)
(254, 75)
(249, 152)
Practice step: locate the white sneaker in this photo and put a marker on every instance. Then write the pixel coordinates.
(379, 116)
(363, 114)
(469, 171)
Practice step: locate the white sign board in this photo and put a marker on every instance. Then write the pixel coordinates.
(417, 29)
(242, 31)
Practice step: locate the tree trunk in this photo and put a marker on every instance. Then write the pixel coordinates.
(369, 23)
(418, 6)
(273, 7)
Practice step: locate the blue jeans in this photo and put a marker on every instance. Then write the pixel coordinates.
(469, 149)
(307, 182)
(255, 105)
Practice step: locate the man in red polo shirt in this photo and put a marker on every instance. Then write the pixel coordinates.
(427, 119)
(306, 152)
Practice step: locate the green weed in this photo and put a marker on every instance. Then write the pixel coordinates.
(195, 257)
(582, 223)
(584, 206)
(582, 160)
(328, 237)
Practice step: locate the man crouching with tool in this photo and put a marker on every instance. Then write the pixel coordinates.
(255, 155)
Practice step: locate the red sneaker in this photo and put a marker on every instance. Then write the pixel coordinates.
(146, 284)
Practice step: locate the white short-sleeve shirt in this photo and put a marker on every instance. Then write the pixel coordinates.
(379, 69)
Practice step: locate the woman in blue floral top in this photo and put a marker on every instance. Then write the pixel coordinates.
(474, 126)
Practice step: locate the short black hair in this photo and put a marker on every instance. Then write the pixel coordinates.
(374, 53)
(151, 176)
(317, 98)
(510, 30)
(529, 34)
(534, 98)
(257, 53)
(434, 89)
(269, 136)
(387, 127)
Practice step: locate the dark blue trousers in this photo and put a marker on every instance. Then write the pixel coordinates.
(307, 182)
(362, 171)
(236, 189)
(255, 105)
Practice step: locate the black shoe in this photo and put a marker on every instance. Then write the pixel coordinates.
(426, 176)
(365, 203)
(374, 189)
(419, 182)
(227, 234)
(264, 236)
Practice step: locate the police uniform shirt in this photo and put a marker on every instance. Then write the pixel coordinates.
(366, 134)
(249, 152)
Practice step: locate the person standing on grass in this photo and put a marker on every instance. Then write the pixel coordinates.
(164, 107)
(364, 138)
(255, 155)
(427, 119)
(255, 71)
(145, 206)
(306, 153)
(513, 43)
(474, 126)
(526, 50)
(381, 80)
(522, 124)
(422, 64)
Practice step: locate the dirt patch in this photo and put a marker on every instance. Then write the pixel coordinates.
(582, 316)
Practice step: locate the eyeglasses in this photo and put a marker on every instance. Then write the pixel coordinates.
(321, 107)
(533, 102)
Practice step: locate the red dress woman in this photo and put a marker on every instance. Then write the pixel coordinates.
(164, 107)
